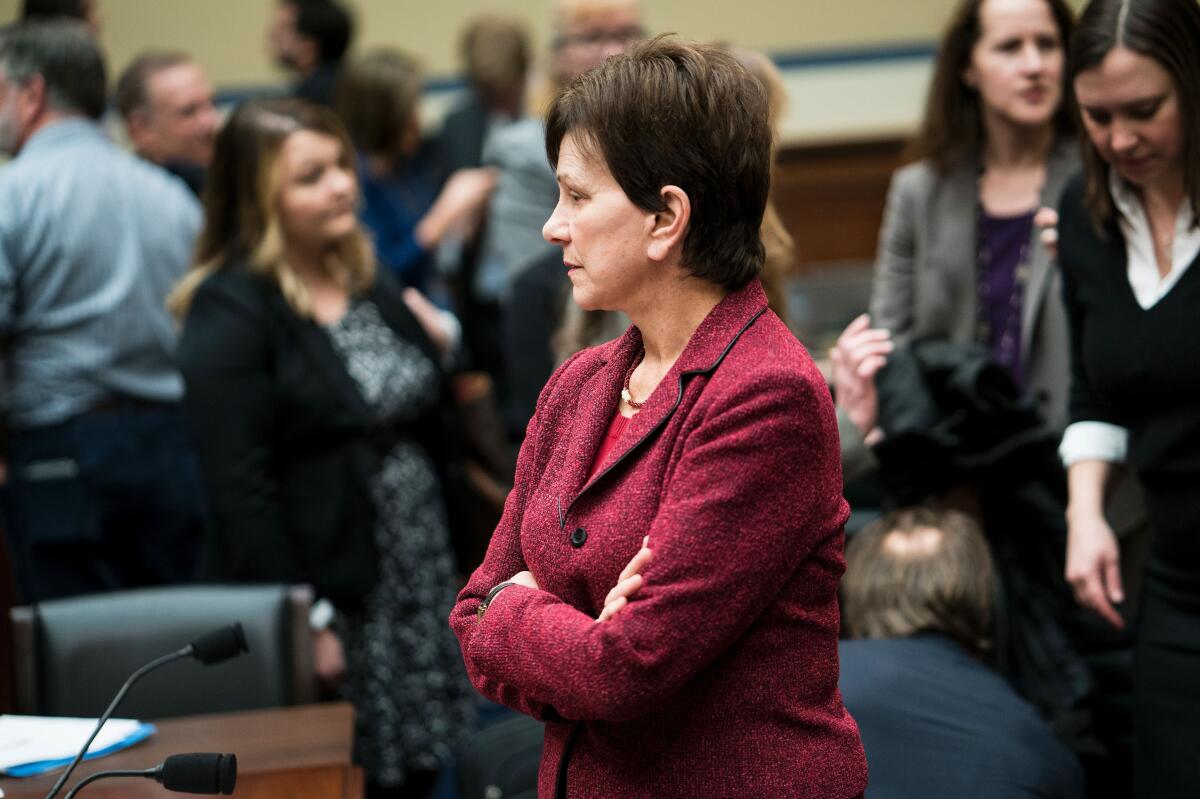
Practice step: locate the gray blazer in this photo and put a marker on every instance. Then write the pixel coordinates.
(924, 285)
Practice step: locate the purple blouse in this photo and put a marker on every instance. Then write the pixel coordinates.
(1003, 250)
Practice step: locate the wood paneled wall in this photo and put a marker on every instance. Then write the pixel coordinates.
(831, 198)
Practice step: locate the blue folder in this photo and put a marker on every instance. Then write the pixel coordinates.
(141, 733)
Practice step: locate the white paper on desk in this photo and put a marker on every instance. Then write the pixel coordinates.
(34, 739)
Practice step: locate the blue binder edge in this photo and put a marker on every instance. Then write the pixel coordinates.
(143, 731)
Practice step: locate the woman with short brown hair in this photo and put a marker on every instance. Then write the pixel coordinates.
(662, 588)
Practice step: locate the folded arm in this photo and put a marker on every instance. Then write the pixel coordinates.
(757, 488)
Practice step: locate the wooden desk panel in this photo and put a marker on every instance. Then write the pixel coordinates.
(831, 197)
(294, 752)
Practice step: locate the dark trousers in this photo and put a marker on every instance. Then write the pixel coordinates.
(108, 500)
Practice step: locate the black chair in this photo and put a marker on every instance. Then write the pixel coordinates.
(501, 761)
(72, 655)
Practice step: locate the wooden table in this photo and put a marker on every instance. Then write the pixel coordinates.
(296, 752)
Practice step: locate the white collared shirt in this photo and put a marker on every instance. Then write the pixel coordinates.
(1101, 440)
(1141, 265)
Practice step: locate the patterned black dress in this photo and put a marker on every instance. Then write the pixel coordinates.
(404, 673)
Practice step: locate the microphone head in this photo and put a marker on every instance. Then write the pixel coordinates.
(199, 772)
(220, 644)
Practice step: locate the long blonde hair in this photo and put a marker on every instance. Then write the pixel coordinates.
(241, 205)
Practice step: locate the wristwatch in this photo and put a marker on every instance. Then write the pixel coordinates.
(487, 600)
(321, 615)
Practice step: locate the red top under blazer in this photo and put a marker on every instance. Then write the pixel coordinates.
(719, 679)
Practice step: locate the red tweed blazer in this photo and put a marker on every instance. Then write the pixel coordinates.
(720, 678)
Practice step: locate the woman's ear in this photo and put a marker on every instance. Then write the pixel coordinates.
(669, 225)
(970, 77)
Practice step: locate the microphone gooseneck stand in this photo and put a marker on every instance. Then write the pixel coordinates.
(194, 773)
(179, 654)
(210, 648)
(100, 775)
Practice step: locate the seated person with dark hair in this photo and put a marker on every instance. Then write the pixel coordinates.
(166, 101)
(310, 38)
(935, 720)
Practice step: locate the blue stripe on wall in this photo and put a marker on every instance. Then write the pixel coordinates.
(816, 59)
(786, 61)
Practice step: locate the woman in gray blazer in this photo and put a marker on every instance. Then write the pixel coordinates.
(959, 257)
(995, 145)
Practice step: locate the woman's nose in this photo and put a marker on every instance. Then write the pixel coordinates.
(1123, 138)
(343, 181)
(555, 229)
(1032, 60)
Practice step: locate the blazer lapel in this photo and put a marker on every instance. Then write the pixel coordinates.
(1059, 168)
(961, 208)
(658, 407)
(707, 348)
(1035, 293)
(594, 409)
(314, 340)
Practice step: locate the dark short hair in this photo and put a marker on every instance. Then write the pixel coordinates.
(952, 127)
(1167, 31)
(689, 115)
(33, 9)
(943, 585)
(376, 97)
(63, 53)
(328, 24)
(131, 94)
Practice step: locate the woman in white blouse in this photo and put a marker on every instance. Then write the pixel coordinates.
(1129, 243)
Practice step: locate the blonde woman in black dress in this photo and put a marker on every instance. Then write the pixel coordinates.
(316, 399)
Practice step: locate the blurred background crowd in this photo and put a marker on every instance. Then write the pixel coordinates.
(195, 390)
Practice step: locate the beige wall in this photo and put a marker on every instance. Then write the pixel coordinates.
(227, 35)
(828, 103)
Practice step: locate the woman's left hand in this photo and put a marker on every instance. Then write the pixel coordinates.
(432, 320)
(861, 351)
(628, 583)
(524, 578)
(1046, 221)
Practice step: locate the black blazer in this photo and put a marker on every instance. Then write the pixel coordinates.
(463, 133)
(287, 446)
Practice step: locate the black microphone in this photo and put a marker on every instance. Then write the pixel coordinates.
(199, 772)
(219, 645)
(210, 648)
